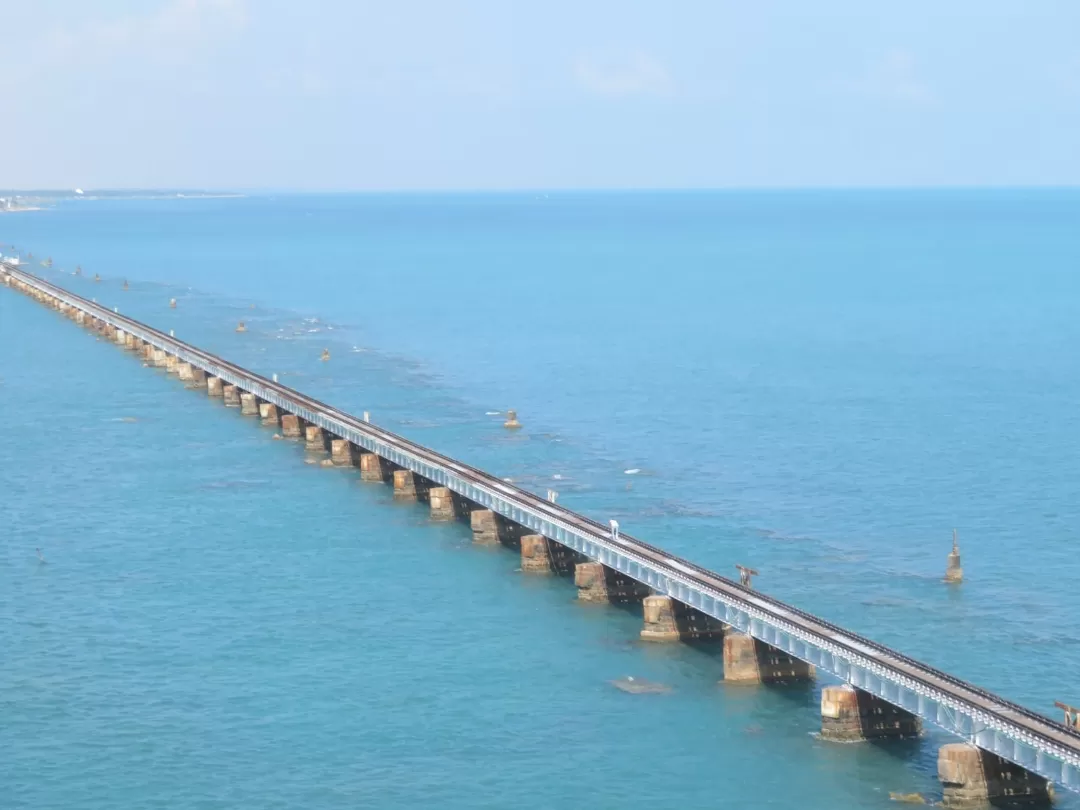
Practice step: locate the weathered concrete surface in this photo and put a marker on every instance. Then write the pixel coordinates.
(231, 395)
(372, 468)
(598, 583)
(160, 358)
(535, 557)
(185, 372)
(747, 660)
(972, 777)
(668, 620)
(172, 363)
(490, 529)
(541, 555)
(214, 387)
(406, 485)
(290, 425)
(198, 378)
(443, 505)
(249, 404)
(314, 439)
(268, 412)
(851, 715)
(341, 452)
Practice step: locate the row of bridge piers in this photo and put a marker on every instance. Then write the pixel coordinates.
(971, 776)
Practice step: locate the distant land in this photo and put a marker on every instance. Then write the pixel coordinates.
(33, 199)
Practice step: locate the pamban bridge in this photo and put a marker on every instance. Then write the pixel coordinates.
(1005, 753)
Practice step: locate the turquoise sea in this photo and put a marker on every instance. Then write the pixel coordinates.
(820, 385)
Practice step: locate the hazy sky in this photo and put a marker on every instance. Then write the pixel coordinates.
(437, 94)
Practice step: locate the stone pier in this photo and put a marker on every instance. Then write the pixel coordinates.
(172, 363)
(268, 412)
(669, 620)
(747, 660)
(541, 555)
(852, 715)
(160, 358)
(185, 372)
(535, 557)
(249, 404)
(372, 468)
(490, 529)
(408, 486)
(198, 378)
(973, 777)
(231, 395)
(314, 439)
(290, 425)
(214, 387)
(446, 504)
(598, 583)
(341, 452)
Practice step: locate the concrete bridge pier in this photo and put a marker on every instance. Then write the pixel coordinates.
(249, 405)
(290, 426)
(198, 378)
(214, 387)
(314, 439)
(185, 372)
(172, 363)
(268, 412)
(372, 468)
(491, 529)
(341, 452)
(231, 395)
(535, 555)
(975, 778)
(598, 583)
(444, 504)
(668, 620)
(160, 358)
(748, 661)
(852, 715)
(542, 555)
(408, 486)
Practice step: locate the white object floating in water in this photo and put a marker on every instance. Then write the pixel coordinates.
(492, 413)
(557, 477)
(634, 471)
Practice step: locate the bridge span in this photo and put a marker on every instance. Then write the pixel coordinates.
(1008, 750)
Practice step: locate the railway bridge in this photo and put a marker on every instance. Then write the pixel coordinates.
(1006, 750)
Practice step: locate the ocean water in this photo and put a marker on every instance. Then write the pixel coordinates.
(820, 385)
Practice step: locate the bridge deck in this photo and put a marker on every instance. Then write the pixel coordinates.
(1014, 732)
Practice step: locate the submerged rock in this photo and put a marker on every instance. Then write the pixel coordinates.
(637, 686)
(907, 798)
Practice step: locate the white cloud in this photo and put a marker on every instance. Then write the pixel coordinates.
(893, 77)
(176, 31)
(629, 73)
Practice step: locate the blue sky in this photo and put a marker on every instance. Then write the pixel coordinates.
(456, 94)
